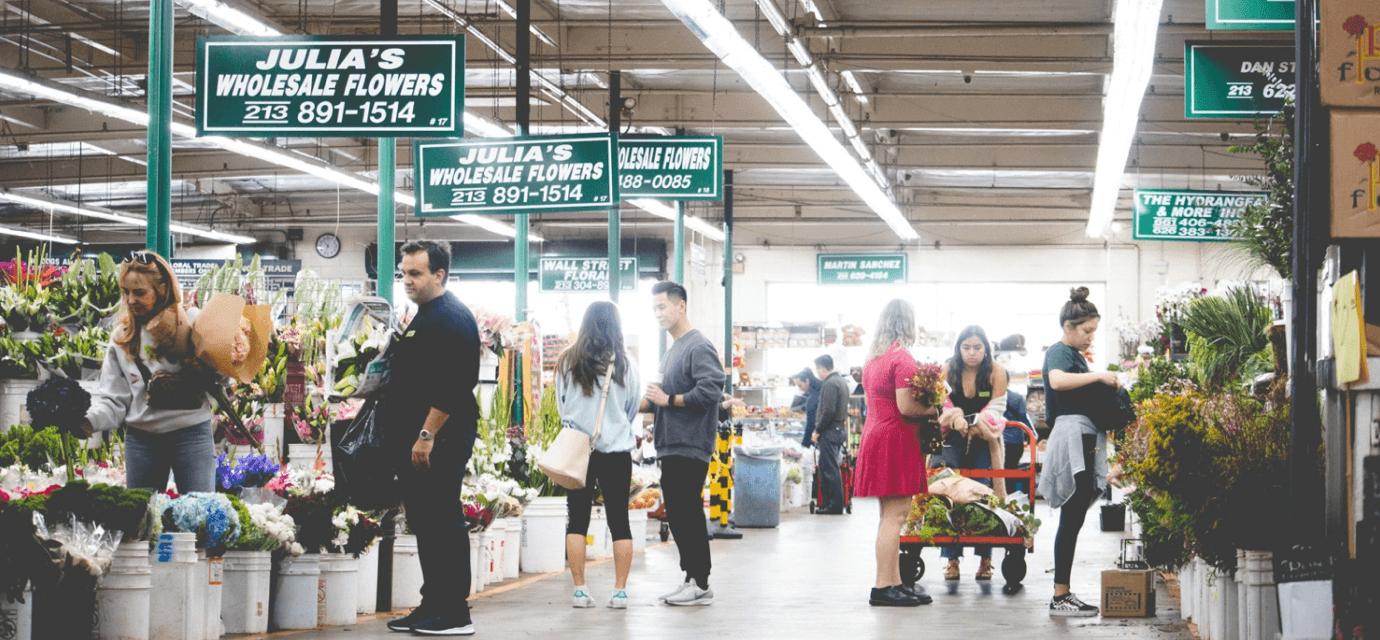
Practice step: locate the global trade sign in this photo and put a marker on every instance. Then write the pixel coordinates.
(372, 86)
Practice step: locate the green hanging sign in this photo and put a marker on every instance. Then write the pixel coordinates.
(1256, 15)
(671, 168)
(515, 175)
(565, 274)
(861, 268)
(370, 86)
(1165, 214)
(1237, 80)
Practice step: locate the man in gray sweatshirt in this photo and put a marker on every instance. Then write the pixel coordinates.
(685, 412)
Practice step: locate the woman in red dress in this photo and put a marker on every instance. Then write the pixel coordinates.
(890, 465)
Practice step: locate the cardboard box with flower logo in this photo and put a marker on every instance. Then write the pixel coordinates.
(1355, 174)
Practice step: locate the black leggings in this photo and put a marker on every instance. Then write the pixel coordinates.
(1072, 514)
(613, 471)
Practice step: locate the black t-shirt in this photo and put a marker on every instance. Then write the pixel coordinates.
(435, 364)
(1064, 358)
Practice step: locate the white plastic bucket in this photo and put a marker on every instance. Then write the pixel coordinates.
(14, 396)
(407, 573)
(274, 419)
(175, 609)
(304, 455)
(244, 594)
(492, 557)
(1305, 609)
(294, 603)
(476, 563)
(637, 522)
(123, 594)
(367, 582)
(543, 536)
(20, 615)
(338, 594)
(512, 546)
(214, 589)
(597, 544)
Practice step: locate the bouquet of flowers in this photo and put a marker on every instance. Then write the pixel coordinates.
(495, 330)
(354, 531)
(210, 516)
(927, 385)
(477, 516)
(313, 419)
(254, 470)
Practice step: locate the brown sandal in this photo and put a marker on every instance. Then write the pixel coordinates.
(985, 570)
(951, 573)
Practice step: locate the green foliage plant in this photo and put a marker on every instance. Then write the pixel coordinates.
(1265, 230)
(1227, 337)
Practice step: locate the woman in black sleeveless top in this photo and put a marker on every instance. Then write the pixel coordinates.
(974, 420)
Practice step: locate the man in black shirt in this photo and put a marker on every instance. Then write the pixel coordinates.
(831, 431)
(431, 420)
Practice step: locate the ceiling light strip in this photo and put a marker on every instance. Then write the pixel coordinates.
(7, 230)
(1136, 25)
(101, 213)
(662, 210)
(719, 35)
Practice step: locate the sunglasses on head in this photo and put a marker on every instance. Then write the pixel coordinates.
(142, 257)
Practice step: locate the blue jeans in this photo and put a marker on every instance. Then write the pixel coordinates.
(959, 453)
(189, 452)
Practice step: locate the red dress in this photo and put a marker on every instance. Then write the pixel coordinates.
(889, 459)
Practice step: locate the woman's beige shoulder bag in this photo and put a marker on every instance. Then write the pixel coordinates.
(566, 462)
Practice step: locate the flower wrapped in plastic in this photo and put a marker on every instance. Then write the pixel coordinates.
(355, 531)
(265, 527)
(251, 471)
(927, 385)
(89, 547)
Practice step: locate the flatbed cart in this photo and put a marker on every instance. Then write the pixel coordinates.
(1013, 567)
(846, 463)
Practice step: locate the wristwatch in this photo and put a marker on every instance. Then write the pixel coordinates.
(426, 435)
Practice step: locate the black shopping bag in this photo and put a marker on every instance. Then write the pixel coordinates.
(363, 471)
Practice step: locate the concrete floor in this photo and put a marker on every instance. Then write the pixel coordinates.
(808, 578)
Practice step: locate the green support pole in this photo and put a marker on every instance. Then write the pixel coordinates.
(521, 269)
(679, 270)
(728, 277)
(387, 218)
(615, 233)
(159, 191)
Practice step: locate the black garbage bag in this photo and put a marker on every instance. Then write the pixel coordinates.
(363, 471)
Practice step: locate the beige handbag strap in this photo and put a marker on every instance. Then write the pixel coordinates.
(603, 400)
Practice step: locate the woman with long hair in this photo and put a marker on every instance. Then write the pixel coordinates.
(1075, 459)
(890, 465)
(151, 383)
(973, 421)
(597, 358)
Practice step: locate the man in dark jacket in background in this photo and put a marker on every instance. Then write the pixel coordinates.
(430, 421)
(831, 431)
(685, 420)
(808, 384)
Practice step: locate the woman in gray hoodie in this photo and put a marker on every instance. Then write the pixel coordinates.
(170, 427)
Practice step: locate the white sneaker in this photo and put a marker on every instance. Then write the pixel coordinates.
(619, 599)
(692, 596)
(679, 589)
(582, 599)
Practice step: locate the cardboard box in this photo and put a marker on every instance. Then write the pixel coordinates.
(1349, 58)
(1355, 174)
(1128, 594)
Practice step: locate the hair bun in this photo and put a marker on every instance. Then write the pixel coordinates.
(1079, 294)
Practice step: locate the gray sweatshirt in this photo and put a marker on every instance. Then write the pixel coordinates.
(122, 399)
(691, 368)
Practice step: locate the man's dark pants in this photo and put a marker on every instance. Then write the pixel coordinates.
(431, 502)
(682, 485)
(830, 478)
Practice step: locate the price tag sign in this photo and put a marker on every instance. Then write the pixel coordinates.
(295, 387)
(515, 175)
(1236, 80)
(165, 547)
(671, 168)
(372, 86)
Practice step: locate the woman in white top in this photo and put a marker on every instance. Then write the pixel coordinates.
(581, 370)
(169, 427)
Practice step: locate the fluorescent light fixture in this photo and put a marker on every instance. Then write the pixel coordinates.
(799, 50)
(230, 18)
(6, 230)
(512, 13)
(662, 210)
(483, 127)
(102, 213)
(719, 35)
(852, 80)
(1137, 22)
(774, 16)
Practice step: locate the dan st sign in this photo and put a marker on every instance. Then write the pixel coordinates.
(371, 86)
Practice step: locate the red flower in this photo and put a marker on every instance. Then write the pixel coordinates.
(1365, 152)
(1355, 25)
(4, 497)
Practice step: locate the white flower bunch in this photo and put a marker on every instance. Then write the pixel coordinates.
(276, 525)
(343, 519)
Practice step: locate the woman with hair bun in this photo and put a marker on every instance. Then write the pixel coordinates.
(1075, 464)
